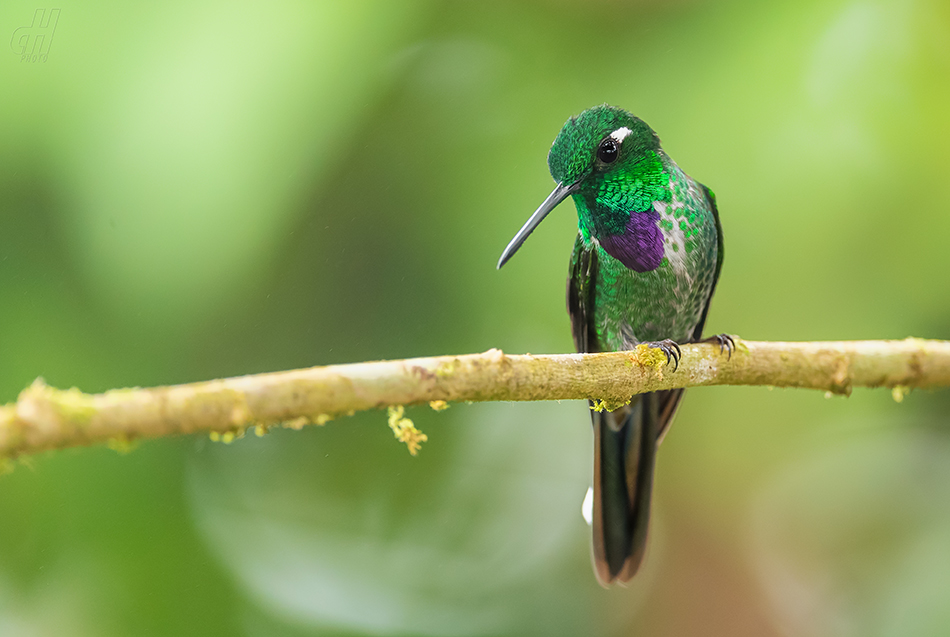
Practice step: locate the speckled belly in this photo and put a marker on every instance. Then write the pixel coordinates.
(634, 307)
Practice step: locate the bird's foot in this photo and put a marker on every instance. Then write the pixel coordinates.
(670, 349)
(726, 343)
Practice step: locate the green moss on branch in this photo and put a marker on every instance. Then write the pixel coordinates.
(45, 418)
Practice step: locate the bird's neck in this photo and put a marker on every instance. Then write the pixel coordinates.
(619, 214)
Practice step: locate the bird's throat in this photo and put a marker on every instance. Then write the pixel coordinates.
(640, 246)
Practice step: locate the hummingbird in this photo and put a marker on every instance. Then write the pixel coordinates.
(645, 264)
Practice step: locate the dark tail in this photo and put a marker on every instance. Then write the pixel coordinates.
(625, 443)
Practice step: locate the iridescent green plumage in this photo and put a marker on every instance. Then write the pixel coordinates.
(645, 264)
(668, 302)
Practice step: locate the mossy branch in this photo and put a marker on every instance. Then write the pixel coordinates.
(46, 418)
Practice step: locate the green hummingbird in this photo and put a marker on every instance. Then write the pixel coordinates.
(645, 264)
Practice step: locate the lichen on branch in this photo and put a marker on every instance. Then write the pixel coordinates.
(45, 418)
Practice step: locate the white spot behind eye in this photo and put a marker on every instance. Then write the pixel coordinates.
(620, 133)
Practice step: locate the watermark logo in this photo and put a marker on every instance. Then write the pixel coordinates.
(32, 43)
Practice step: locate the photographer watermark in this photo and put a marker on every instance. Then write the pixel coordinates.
(32, 43)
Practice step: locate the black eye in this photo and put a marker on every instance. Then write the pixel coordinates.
(608, 150)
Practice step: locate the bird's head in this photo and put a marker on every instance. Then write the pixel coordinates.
(609, 161)
(600, 144)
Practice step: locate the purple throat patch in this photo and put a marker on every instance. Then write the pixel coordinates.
(640, 247)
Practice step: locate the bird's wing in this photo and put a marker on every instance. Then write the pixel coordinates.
(580, 296)
(669, 400)
(711, 198)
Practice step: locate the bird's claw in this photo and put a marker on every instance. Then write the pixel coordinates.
(670, 349)
(726, 343)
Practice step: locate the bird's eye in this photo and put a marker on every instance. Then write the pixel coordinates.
(608, 150)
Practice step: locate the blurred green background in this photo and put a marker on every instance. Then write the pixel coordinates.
(191, 190)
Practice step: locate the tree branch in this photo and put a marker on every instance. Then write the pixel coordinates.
(46, 418)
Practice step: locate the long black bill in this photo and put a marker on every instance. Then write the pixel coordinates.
(561, 192)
